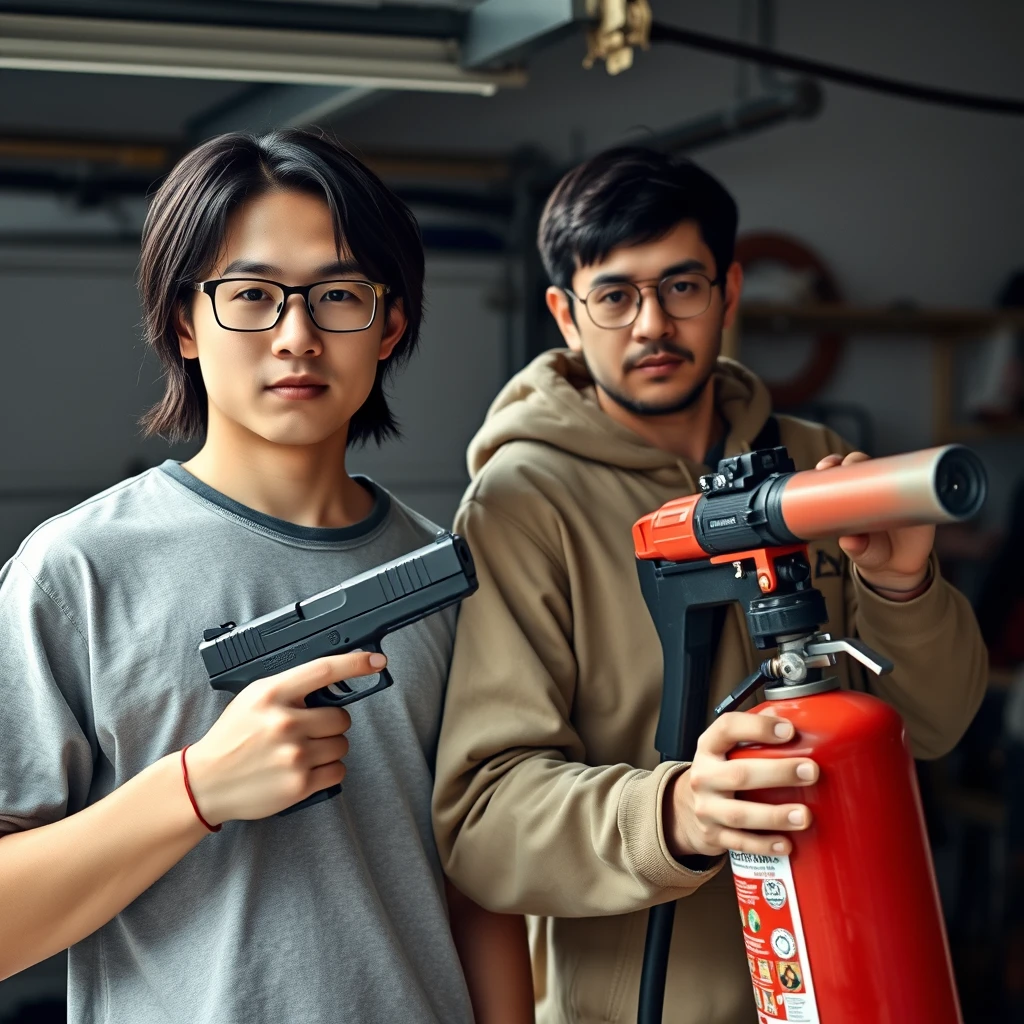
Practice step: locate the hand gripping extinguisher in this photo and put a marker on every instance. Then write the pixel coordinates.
(848, 927)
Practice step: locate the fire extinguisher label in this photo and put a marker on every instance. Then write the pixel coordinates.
(774, 936)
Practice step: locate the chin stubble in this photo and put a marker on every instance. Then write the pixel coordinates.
(652, 408)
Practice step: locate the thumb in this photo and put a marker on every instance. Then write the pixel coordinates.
(868, 550)
(854, 545)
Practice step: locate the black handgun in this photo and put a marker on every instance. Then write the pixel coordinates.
(356, 615)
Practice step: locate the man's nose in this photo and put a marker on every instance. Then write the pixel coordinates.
(651, 320)
(296, 333)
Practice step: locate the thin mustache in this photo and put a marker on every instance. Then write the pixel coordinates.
(662, 348)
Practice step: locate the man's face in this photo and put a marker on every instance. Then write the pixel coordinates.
(657, 365)
(294, 384)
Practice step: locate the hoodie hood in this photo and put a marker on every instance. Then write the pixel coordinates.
(553, 401)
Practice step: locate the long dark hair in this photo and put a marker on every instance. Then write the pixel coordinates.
(185, 228)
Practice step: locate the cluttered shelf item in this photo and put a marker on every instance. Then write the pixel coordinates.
(948, 329)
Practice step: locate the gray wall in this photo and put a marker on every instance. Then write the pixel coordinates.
(905, 202)
(79, 377)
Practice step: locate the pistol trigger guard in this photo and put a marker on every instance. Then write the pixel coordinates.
(331, 699)
(383, 683)
(384, 680)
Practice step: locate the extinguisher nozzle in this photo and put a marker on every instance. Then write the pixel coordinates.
(960, 482)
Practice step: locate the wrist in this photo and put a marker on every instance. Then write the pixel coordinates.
(673, 814)
(898, 587)
(209, 826)
(194, 776)
(169, 794)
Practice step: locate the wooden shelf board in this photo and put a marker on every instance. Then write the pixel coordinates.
(963, 432)
(947, 322)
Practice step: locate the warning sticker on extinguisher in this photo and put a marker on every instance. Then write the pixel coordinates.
(774, 936)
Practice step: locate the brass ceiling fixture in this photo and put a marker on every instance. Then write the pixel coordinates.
(623, 25)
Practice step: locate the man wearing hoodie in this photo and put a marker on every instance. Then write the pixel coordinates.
(549, 798)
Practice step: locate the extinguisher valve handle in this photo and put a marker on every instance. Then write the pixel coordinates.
(742, 692)
(857, 650)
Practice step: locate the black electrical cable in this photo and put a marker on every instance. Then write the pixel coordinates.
(654, 972)
(928, 94)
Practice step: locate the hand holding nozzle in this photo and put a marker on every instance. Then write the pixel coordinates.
(893, 561)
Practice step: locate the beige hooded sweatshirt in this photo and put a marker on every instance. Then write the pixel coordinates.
(548, 789)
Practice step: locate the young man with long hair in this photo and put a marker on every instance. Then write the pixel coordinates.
(281, 284)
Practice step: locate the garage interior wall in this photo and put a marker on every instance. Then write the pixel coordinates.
(905, 203)
(83, 303)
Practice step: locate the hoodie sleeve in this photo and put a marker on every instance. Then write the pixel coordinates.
(523, 823)
(941, 664)
(935, 643)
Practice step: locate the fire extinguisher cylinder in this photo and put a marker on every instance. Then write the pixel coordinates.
(859, 907)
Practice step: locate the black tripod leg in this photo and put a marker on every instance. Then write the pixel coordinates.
(656, 949)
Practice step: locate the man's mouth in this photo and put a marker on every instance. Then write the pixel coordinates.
(662, 362)
(298, 388)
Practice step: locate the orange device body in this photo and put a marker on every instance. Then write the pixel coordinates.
(879, 494)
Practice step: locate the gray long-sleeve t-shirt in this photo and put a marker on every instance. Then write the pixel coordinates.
(330, 915)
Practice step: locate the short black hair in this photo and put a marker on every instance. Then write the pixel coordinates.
(626, 196)
(185, 229)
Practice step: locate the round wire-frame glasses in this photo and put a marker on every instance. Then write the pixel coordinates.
(253, 315)
(616, 304)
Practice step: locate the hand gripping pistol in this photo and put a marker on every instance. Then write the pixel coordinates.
(355, 615)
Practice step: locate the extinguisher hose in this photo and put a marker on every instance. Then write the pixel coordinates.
(655, 965)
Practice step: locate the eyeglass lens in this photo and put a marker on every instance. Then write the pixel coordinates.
(682, 296)
(256, 305)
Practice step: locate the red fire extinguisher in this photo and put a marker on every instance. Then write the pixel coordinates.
(848, 928)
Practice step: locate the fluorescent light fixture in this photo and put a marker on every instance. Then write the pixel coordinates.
(166, 50)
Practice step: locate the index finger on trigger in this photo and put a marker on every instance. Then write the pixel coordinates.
(297, 683)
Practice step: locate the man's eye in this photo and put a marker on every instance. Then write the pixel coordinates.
(613, 298)
(337, 295)
(681, 287)
(252, 295)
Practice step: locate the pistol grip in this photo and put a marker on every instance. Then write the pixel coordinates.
(324, 794)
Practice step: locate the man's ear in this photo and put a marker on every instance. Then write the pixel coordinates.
(733, 289)
(185, 331)
(394, 328)
(560, 305)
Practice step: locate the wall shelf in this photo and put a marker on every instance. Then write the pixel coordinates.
(875, 320)
(946, 328)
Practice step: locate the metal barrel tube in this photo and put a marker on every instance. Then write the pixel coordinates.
(936, 485)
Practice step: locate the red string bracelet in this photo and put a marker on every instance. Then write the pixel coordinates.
(192, 799)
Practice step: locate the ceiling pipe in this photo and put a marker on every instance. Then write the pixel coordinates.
(779, 102)
(800, 101)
